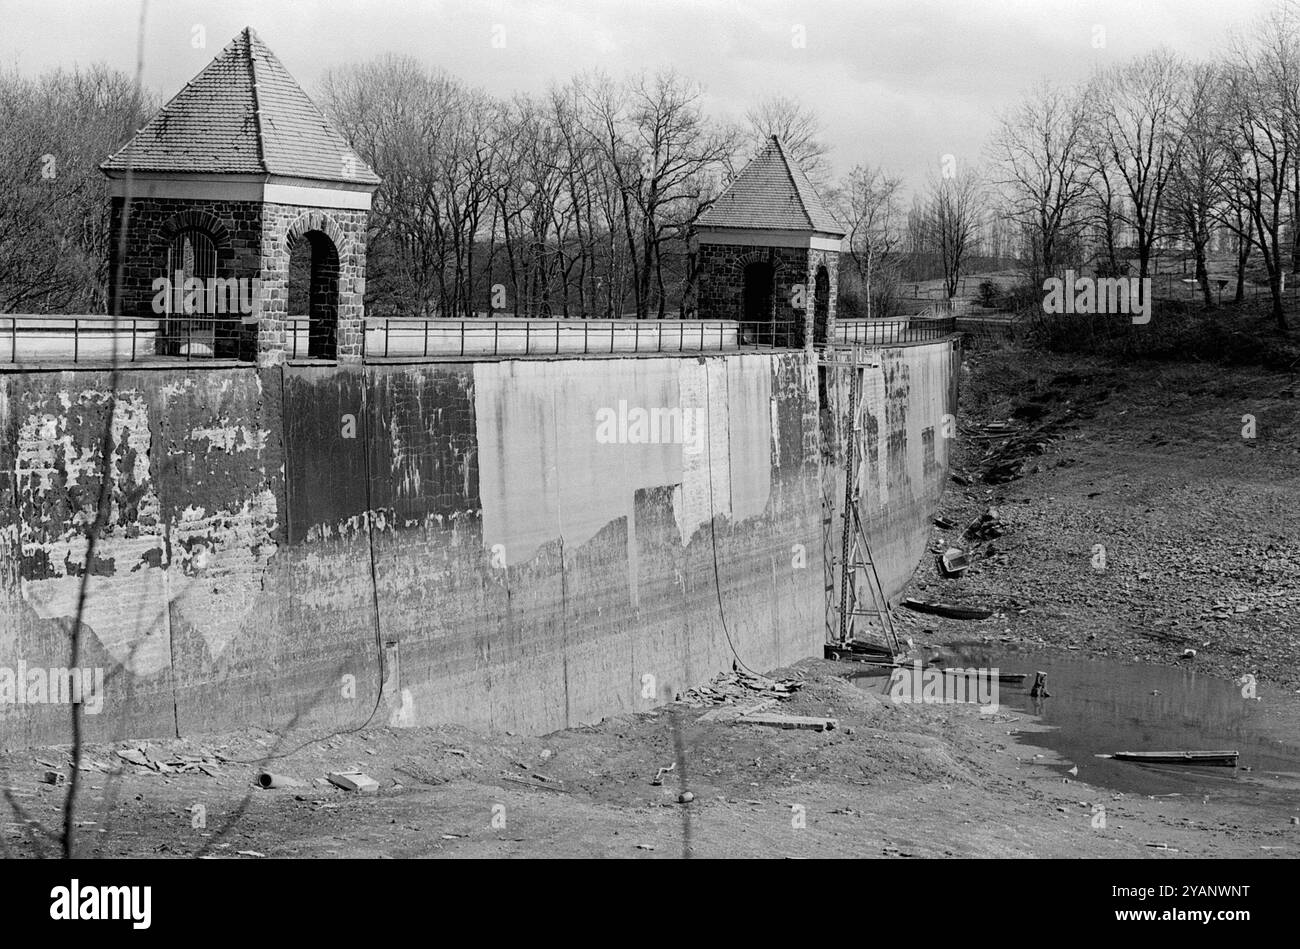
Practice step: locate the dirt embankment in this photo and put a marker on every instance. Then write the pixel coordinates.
(1141, 511)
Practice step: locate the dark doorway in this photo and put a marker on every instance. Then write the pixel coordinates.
(758, 322)
(191, 255)
(313, 302)
(821, 306)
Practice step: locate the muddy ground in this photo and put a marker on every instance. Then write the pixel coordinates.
(1202, 550)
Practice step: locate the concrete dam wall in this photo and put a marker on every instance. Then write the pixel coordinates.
(520, 544)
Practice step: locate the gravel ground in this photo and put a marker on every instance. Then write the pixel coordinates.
(1143, 523)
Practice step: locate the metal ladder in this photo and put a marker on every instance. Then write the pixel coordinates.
(855, 549)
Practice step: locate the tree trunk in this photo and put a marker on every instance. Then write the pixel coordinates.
(1295, 231)
(659, 282)
(1202, 274)
(1243, 256)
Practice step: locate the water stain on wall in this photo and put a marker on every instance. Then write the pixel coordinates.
(549, 470)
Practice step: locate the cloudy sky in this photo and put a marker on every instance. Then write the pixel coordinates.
(901, 82)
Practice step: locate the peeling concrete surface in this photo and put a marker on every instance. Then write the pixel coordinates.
(281, 540)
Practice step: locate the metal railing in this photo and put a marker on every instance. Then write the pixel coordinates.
(908, 329)
(189, 338)
(420, 338)
(37, 338)
(97, 338)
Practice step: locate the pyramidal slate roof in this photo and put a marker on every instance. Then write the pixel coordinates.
(243, 114)
(771, 193)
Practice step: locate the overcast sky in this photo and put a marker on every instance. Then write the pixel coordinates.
(900, 82)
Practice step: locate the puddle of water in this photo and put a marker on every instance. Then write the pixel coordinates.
(1101, 706)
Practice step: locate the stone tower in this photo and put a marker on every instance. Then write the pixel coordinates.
(236, 175)
(767, 253)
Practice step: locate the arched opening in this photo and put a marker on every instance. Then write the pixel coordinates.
(758, 316)
(191, 255)
(821, 306)
(313, 300)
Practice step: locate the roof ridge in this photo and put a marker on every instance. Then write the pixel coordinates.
(794, 182)
(258, 135)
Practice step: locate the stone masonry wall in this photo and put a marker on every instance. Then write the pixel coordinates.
(234, 226)
(282, 224)
(721, 282)
(252, 241)
(830, 259)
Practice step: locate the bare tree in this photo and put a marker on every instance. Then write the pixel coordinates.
(867, 202)
(800, 130)
(54, 230)
(1261, 136)
(953, 210)
(1038, 153)
(667, 162)
(1103, 203)
(1134, 112)
(1197, 185)
(1233, 213)
(432, 140)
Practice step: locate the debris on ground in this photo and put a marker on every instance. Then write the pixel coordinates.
(731, 713)
(730, 687)
(134, 756)
(353, 781)
(809, 722)
(659, 778)
(950, 610)
(533, 784)
(144, 757)
(953, 562)
(268, 780)
(1010, 446)
(859, 650)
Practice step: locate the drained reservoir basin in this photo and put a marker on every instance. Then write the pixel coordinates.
(1099, 706)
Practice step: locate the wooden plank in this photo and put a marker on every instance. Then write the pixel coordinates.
(790, 721)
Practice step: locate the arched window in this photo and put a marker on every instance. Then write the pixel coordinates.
(191, 254)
